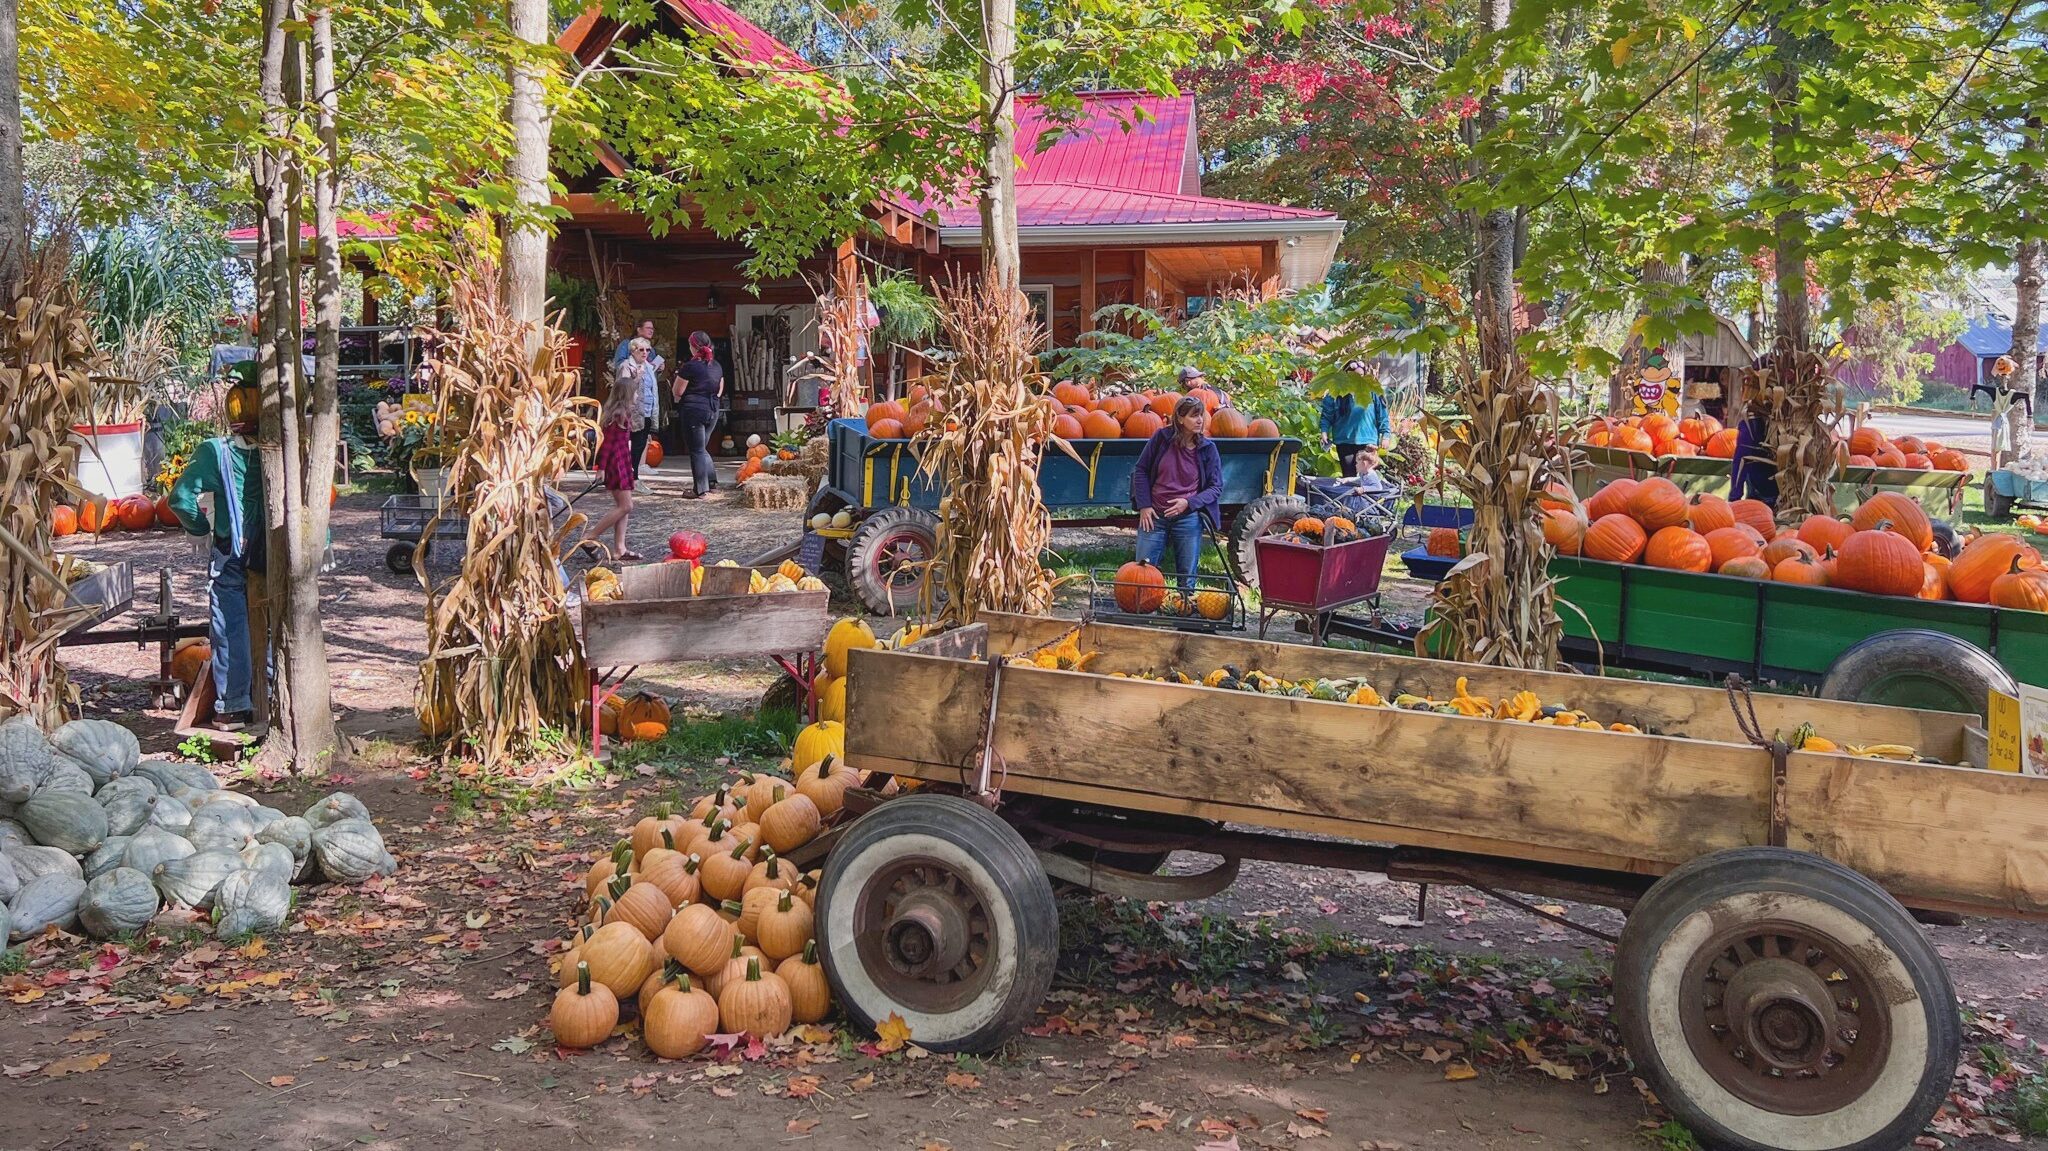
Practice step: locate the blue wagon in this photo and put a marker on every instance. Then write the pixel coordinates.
(892, 522)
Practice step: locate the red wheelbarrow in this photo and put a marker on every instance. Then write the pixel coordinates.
(1316, 581)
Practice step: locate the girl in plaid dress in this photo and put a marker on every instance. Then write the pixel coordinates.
(615, 451)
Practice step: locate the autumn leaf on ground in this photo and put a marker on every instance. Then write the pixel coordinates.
(962, 1080)
(255, 949)
(283, 1080)
(76, 1064)
(1229, 1144)
(512, 992)
(513, 1044)
(1306, 1131)
(1536, 1060)
(862, 1082)
(800, 1126)
(1314, 1114)
(1459, 1072)
(802, 1086)
(1152, 1123)
(892, 1033)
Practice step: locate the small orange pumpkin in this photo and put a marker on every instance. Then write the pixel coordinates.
(584, 1013)
(1801, 569)
(1900, 514)
(1710, 513)
(1140, 588)
(1609, 500)
(1444, 542)
(1757, 514)
(1615, 538)
(1746, 567)
(1680, 549)
(758, 1004)
(1657, 503)
(1564, 531)
(2021, 588)
(1727, 544)
(1880, 561)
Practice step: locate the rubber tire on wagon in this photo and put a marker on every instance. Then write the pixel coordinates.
(1251, 522)
(399, 558)
(1915, 667)
(882, 544)
(1729, 926)
(926, 861)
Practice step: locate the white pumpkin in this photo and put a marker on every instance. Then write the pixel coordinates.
(65, 819)
(109, 855)
(251, 902)
(33, 860)
(351, 850)
(154, 845)
(25, 758)
(121, 902)
(341, 805)
(192, 880)
(46, 900)
(105, 749)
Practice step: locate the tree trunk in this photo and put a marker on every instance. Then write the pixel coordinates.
(294, 424)
(999, 256)
(1495, 258)
(1799, 382)
(525, 236)
(13, 213)
(2026, 321)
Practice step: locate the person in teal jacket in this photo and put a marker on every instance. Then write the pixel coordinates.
(1352, 426)
(227, 468)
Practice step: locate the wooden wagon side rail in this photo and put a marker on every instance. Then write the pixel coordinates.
(1940, 838)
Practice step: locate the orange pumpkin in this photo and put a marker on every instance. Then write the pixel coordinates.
(1757, 514)
(1948, 460)
(1889, 458)
(1692, 431)
(1140, 588)
(1229, 424)
(137, 514)
(1557, 498)
(63, 520)
(1725, 544)
(1680, 549)
(1066, 427)
(1565, 531)
(188, 659)
(1615, 538)
(165, 517)
(1880, 562)
(1721, 445)
(1823, 532)
(1069, 392)
(1934, 583)
(1710, 513)
(1660, 426)
(882, 410)
(1610, 500)
(886, 429)
(1209, 398)
(1100, 426)
(1867, 441)
(1918, 460)
(1633, 439)
(1983, 560)
(1263, 429)
(1746, 567)
(2021, 588)
(95, 517)
(1657, 503)
(1802, 569)
(1443, 542)
(1902, 514)
(1141, 424)
(1785, 547)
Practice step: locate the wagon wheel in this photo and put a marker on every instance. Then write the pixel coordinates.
(1996, 506)
(934, 910)
(1250, 523)
(399, 559)
(886, 566)
(1915, 667)
(1776, 999)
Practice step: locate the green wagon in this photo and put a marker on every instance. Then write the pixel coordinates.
(1875, 649)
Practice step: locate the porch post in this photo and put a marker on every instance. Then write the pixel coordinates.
(1269, 269)
(1088, 304)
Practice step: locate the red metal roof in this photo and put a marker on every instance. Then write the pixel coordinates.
(1069, 205)
(750, 43)
(1123, 140)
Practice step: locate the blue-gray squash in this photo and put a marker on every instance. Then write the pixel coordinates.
(45, 900)
(10, 880)
(191, 881)
(121, 902)
(108, 856)
(127, 803)
(13, 834)
(169, 775)
(25, 758)
(271, 859)
(339, 806)
(32, 860)
(351, 850)
(170, 813)
(105, 749)
(251, 902)
(154, 845)
(67, 777)
(65, 819)
(297, 835)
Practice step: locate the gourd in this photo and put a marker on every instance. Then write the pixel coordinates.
(846, 635)
(643, 905)
(619, 957)
(810, 994)
(271, 859)
(585, 1013)
(10, 882)
(789, 821)
(32, 861)
(724, 875)
(818, 740)
(154, 845)
(67, 779)
(191, 881)
(758, 1004)
(101, 748)
(65, 820)
(25, 758)
(677, 1019)
(170, 813)
(43, 901)
(121, 902)
(784, 928)
(251, 902)
(127, 803)
(108, 856)
(697, 938)
(351, 850)
(334, 808)
(294, 834)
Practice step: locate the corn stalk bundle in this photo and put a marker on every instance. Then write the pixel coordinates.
(1796, 389)
(503, 661)
(990, 423)
(1499, 606)
(842, 316)
(47, 361)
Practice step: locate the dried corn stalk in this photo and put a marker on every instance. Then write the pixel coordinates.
(1500, 605)
(842, 323)
(1798, 393)
(503, 662)
(990, 424)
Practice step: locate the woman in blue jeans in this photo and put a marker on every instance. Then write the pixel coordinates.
(1176, 488)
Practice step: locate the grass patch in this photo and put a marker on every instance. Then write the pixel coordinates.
(1080, 561)
(14, 962)
(690, 747)
(2030, 1106)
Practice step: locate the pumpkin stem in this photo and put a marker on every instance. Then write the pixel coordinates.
(622, 852)
(691, 862)
(739, 849)
(662, 810)
(582, 978)
(668, 840)
(753, 968)
(619, 884)
(778, 794)
(811, 951)
(738, 940)
(775, 865)
(731, 906)
(2015, 569)
(783, 903)
(681, 979)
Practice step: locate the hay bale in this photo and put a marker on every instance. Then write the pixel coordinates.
(777, 493)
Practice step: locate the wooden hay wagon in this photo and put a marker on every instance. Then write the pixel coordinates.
(1771, 981)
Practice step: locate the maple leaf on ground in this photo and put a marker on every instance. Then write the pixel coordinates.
(892, 1033)
(724, 1042)
(800, 1126)
(962, 1080)
(512, 992)
(1306, 1131)
(802, 1086)
(1152, 1123)
(76, 1065)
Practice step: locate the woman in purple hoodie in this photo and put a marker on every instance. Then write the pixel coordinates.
(1176, 488)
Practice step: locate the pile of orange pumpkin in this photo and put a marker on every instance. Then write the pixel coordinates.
(697, 921)
(129, 513)
(1866, 447)
(1079, 413)
(1660, 435)
(1885, 548)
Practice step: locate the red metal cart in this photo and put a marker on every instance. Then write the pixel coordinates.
(1316, 581)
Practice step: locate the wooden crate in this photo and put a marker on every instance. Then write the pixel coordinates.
(659, 621)
(1948, 838)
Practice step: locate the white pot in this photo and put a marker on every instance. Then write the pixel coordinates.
(109, 459)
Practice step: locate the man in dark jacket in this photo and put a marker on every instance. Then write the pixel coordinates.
(1177, 487)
